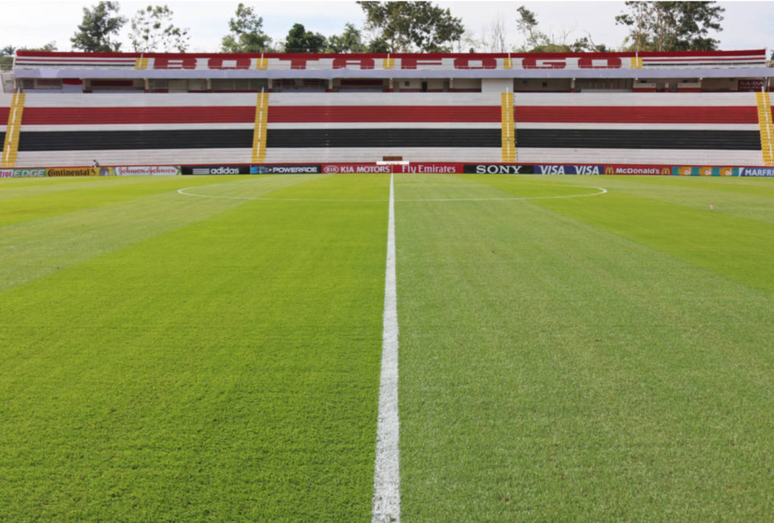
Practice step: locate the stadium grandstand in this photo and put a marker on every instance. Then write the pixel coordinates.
(665, 109)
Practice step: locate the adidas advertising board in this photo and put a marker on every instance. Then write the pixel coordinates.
(496, 168)
(208, 169)
(286, 169)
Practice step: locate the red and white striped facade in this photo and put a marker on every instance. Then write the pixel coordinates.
(175, 129)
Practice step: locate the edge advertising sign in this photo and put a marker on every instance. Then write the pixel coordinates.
(217, 169)
(29, 173)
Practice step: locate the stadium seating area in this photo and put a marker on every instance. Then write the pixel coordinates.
(209, 128)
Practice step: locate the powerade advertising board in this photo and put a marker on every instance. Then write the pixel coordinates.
(286, 169)
(208, 169)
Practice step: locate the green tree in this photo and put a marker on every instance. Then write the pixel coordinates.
(536, 41)
(247, 34)
(409, 26)
(153, 30)
(299, 40)
(99, 23)
(672, 26)
(350, 41)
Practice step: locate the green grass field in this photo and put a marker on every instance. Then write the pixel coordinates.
(215, 355)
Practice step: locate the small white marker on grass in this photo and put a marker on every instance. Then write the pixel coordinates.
(386, 505)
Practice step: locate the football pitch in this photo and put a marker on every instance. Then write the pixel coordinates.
(571, 348)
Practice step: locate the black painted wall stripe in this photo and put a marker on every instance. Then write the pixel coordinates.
(626, 139)
(128, 140)
(335, 138)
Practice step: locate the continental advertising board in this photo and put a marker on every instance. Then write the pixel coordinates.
(80, 171)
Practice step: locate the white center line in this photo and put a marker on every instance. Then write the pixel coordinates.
(386, 507)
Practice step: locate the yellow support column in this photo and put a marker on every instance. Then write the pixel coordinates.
(12, 131)
(766, 128)
(259, 134)
(508, 130)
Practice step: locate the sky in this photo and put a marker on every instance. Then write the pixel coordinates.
(33, 23)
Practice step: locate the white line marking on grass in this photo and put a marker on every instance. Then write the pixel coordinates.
(183, 192)
(602, 191)
(386, 507)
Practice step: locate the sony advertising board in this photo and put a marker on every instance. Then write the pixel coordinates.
(219, 169)
(498, 168)
(146, 170)
(285, 169)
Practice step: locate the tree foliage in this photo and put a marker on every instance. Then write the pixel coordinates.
(536, 41)
(153, 30)
(349, 41)
(672, 26)
(299, 40)
(246, 34)
(98, 25)
(411, 26)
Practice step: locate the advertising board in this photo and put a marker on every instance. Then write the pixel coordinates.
(29, 173)
(215, 169)
(705, 171)
(569, 169)
(75, 171)
(650, 170)
(6, 173)
(146, 170)
(498, 168)
(757, 172)
(285, 169)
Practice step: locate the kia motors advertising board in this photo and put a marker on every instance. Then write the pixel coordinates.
(357, 168)
(569, 169)
(408, 168)
(146, 170)
(207, 169)
(285, 169)
(498, 168)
